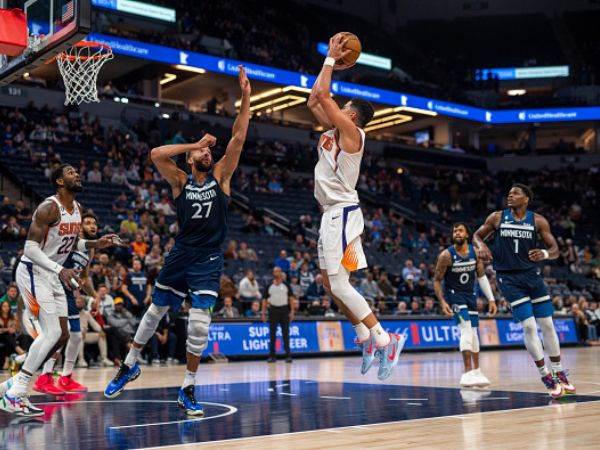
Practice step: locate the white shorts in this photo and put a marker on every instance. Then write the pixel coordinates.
(41, 289)
(339, 239)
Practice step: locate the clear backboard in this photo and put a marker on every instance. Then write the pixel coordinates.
(53, 26)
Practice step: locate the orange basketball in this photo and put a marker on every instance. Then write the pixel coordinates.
(352, 44)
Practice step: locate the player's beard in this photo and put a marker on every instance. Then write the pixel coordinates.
(200, 166)
(75, 188)
(459, 241)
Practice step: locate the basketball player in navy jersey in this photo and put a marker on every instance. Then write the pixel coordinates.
(515, 256)
(457, 267)
(194, 267)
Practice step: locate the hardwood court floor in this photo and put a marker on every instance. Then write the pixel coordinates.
(326, 403)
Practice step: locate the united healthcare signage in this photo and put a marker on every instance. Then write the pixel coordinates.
(227, 66)
(252, 338)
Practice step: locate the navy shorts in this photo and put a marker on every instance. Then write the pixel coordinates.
(189, 272)
(526, 292)
(73, 312)
(464, 307)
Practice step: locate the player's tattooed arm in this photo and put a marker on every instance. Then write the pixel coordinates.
(229, 162)
(350, 138)
(442, 264)
(489, 226)
(46, 215)
(551, 251)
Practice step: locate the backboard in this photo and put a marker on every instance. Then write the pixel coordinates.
(54, 25)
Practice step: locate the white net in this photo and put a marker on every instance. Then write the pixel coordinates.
(79, 66)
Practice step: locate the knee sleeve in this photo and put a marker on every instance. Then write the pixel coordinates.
(475, 348)
(466, 337)
(149, 323)
(342, 289)
(532, 340)
(49, 335)
(551, 343)
(198, 325)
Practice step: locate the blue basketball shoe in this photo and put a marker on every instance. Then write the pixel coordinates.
(388, 355)
(125, 375)
(368, 354)
(187, 401)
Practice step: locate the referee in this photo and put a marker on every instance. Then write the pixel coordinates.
(279, 314)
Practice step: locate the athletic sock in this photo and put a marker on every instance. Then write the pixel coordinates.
(132, 356)
(362, 332)
(543, 370)
(556, 366)
(21, 358)
(381, 337)
(189, 379)
(20, 384)
(49, 366)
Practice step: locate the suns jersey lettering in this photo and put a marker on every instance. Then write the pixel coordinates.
(61, 236)
(337, 172)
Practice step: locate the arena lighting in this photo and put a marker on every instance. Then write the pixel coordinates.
(404, 108)
(389, 118)
(295, 100)
(168, 78)
(388, 124)
(399, 170)
(189, 68)
(273, 92)
(516, 92)
(165, 116)
(139, 9)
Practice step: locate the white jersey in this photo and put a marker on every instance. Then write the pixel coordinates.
(337, 172)
(62, 235)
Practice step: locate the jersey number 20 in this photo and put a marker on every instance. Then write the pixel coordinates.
(200, 207)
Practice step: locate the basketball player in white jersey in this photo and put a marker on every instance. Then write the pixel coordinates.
(53, 234)
(340, 249)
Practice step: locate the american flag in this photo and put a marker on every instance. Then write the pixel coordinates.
(67, 12)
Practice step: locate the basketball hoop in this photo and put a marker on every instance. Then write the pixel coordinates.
(79, 66)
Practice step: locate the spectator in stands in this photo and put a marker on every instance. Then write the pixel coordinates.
(7, 209)
(227, 287)
(328, 311)
(407, 289)
(163, 342)
(136, 289)
(381, 308)
(306, 277)
(92, 333)
(104, 303)
(122, 324)
(22, 212)
(422, 289)
(231, 250)
(401, 310)
(8, 330)
(580, 322)
(415, 308)
(228, 311)
(139, 247)
(254, 311)
(154, 260)
(94, 175)
(279, 314)
(385, 286)
(370, 289)
(410, 269)
(429, 308)
(316, 290)
(268, 226)
(245, 253)
(121, 208)
(164, 206)
(282, 261)
(315, 308)
(295, 288)
(11, 296)
(11, 230)
(249, 289)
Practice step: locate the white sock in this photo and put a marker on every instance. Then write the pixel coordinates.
(189, 379)
(49, 366)
(132, 356)
(362, 332)
(71, 352)
(20, 384)
(21, 358)
(543, 370)
(556, 366)
(381, 337)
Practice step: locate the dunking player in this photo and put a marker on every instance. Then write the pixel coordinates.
(79, 260)
(195, 264)
(53, 233)
(515, 255)
(457, 266)
(340, 249)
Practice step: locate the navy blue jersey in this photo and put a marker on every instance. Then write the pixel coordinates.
(512, 241)
(202, 215)
(460, 276)
(77, 260)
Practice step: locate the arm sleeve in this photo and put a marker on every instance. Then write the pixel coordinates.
(484, 284)
(34, 252)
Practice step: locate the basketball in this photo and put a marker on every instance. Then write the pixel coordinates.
(353, 44)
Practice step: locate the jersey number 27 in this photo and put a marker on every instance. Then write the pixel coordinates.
(202, 210)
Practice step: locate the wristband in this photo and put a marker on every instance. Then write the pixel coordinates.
(329, 61)
(546, 254)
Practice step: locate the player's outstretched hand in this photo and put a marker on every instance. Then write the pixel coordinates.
(110, 240)
(208, 140)
(484, 253)
(244, 81)
(492, 309)
(337, 52)
(536, 255)
(446, 310)
(67, 276)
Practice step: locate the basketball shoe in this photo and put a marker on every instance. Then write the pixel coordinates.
(388, 355)
(555, 390)
(561, 376)
(125, 375)
(186, 400)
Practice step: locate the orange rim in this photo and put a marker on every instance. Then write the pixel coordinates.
(66, 57)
